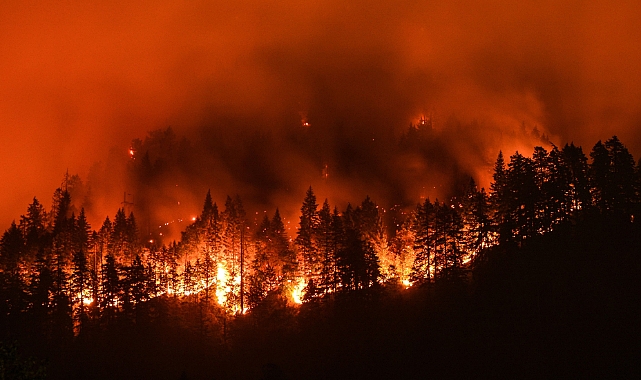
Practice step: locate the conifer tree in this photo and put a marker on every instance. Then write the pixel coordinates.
(577, 165)
(498, 200)
(403, 255)
(40, 291)
(110, 290)
(33, 226)
(306, 240)
(621, 176)
(477, 220)
(12, 286)
(424, 231)
(326, 247)
(135, 288)
(521, 194)
(357, 264)
(80, 286)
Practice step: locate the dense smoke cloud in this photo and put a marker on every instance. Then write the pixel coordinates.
(238, 79)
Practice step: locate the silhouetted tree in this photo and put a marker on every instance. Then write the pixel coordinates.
(12, 286)
(477, 220)
(305, 240)
(357, 264)
(34, 226)
(80, 286)
(327, 249)
(424, 230)
(110, 290)
(613, 177)
(501, 217)
(577, 164)
(521, 195)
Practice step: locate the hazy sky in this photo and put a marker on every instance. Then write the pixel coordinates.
(78, 78)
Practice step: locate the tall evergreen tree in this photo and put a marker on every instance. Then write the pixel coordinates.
(522, 193)
(110, 290)
(40, 293)
(357, 264)
(499, 201)
(12, 285)
(577, 164)
(424, 242)
(286, 264)
(80, 287)
(34, 225)
(306, 241)
(622, 176)
(326, 247)
(477, 220)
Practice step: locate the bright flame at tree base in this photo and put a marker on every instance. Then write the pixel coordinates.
(297, 292)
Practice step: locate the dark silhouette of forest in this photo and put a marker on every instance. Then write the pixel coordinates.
(536, 277)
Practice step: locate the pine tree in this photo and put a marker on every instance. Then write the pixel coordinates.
(577, 165)
(557, 194)
(498, 201)
(286, 266)
(33, 226)
(40, 292)
(546, 202)
(454, 229)
(233, 232)
(80, 286)
(521, 194)
(357, 263)
(439, 239)
(306, 242)
(82, 232)
(119, 236)
(622, 176)
(477, 220)
(326, 247)
(136, 286)
(12, 286)
(211, 229)
(599, 177)
(207, 273)
(339, 244)
(110, 290)
(399, 268)
(188, 279)
(423, 228)
(61, 210)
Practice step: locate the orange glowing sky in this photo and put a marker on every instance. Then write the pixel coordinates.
(78, 78)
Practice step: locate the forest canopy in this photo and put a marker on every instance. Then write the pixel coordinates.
(67, 279)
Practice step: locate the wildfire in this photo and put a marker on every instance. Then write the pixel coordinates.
(297, 292)
(85, 297)
(221, 287)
